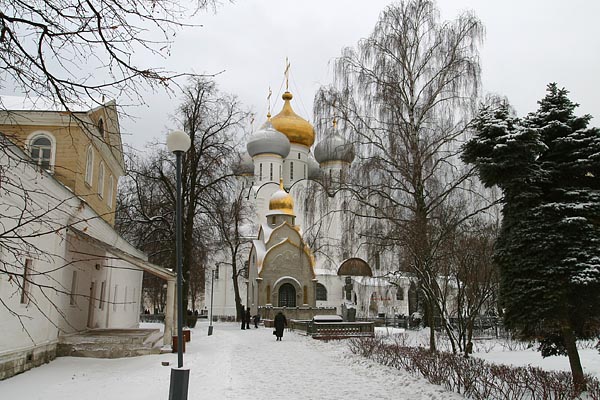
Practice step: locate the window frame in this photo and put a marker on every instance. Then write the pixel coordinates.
(89, 166)
(110, 190)
(32, 138)
(26, 285)
(101, 170)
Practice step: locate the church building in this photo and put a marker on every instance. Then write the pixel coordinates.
(308, 256)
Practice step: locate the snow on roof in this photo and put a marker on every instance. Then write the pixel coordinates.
(267, 231)
(23, 103)
(260, 249)
(324, 271)
(371, 281)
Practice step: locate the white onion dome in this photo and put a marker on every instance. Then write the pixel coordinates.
(281, 201)
(314, 171)
(334, 148)
(268, 140)
(244, 166)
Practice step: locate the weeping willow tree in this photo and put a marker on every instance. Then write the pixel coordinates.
(405, 96)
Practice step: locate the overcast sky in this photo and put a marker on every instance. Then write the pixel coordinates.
(528, 43)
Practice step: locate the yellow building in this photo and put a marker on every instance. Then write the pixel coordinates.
(82, 149)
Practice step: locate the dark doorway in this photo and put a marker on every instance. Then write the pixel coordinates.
(287, 295)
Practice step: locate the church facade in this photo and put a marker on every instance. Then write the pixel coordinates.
(307, 255)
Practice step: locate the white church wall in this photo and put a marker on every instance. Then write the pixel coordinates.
(32, 322)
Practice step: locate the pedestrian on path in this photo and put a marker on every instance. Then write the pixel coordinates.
(247, 318)
(243, 318)
(280, 323)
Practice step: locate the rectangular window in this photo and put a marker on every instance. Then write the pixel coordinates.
(271, 172)
(72, 297)
(291, 170)
(102, 293)
(115, 298)
(134, 299)
(377, 261)
(298, 156)
(260, 172)
(26, 285)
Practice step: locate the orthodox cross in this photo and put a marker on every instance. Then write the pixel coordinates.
(287, 74)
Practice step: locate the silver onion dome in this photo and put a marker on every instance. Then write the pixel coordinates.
(334, 148)
(268, 140)
(314, 171)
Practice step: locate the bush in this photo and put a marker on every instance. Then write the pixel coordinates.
(472, 377)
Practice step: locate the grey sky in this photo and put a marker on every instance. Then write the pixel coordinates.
(528, 43)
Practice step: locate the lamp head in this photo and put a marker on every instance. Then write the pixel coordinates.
(178, 141)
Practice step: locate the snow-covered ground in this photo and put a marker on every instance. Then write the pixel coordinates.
(501, 351)
(230, 364)
(236, 364)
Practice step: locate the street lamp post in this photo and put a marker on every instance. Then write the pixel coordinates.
(178, 142)
(212, 285)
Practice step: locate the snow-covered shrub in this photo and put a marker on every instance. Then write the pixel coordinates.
(473, 377)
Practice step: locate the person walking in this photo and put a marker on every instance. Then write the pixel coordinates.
(247, 318)
(243, 318)
(280, 323)
(256, 320)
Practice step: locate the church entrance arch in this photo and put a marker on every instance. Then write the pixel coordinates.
(287, 295)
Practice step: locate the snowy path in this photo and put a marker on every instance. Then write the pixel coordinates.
(230, 364)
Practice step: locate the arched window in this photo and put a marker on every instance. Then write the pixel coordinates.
(101, 128)
(101, 180)
(321, 292)
(110, 190)
(41, 150)
(291, 170)
(287, 295)
(89, 165)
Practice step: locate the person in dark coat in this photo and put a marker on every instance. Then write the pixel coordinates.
(256, 319)
(243, 318)
(280, 323)
(247, 318)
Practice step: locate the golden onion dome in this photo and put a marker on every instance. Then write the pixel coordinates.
(297, 129)
(282, 201)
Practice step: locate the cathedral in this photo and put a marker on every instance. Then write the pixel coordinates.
(307, 255)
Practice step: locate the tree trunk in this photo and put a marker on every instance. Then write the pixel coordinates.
(236, 289)
(431, 322)
(574, 361)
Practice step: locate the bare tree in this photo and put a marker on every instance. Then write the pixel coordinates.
(74, 52)
(406, 95)
(212, 120)
(229, 216)
(474, 276)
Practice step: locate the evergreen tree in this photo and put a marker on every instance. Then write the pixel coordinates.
(548, 251)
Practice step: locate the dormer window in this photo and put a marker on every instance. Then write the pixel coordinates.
(41, 150)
